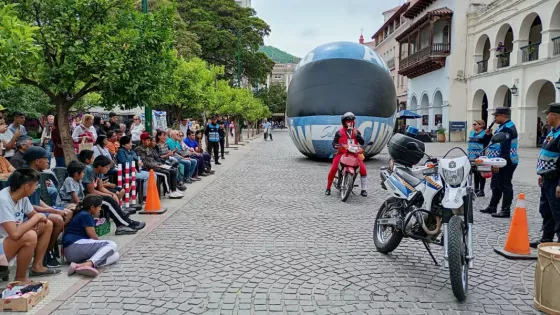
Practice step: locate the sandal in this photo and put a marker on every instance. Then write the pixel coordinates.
(49, 271)
(72, 268)
(87, 271)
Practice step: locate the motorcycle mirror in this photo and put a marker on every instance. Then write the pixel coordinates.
(499, 137)
(412, 146)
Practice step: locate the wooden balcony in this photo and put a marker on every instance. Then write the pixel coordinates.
(425, 60)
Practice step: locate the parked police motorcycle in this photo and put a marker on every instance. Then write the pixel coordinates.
(429, 200)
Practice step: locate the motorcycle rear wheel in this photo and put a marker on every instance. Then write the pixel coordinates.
(386, 243)
(346, 187)
(457, 253)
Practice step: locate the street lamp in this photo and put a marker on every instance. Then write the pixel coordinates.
(558, 85)
(147, 109)
(514, 90)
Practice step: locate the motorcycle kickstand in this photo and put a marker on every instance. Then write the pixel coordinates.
(430, 252)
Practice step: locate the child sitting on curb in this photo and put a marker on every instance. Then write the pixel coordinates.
(82, 246)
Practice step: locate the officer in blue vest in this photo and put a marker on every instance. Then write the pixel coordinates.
(501, 179)
(475, 148)
(548, 169)
(212, 133)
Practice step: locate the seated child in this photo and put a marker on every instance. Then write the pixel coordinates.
(72, 191)
(82, 246)
(93, 185)
(24, 239)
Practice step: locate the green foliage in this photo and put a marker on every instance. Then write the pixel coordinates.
(219, 24)
(16, 45)
(278, 56)
(26, 99)
(274, 97)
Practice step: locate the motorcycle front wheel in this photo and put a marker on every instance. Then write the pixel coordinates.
(386, 238)
(347, 186)
(457, 253)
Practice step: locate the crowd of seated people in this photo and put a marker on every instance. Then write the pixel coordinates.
(37, 206)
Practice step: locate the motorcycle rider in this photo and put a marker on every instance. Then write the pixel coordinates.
(343, 137)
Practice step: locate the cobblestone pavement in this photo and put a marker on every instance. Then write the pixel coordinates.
(264, 239)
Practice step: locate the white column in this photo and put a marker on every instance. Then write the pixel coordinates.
(516, 56)
(547, 46)
(492, 61)
(527, 126)
(431, 117)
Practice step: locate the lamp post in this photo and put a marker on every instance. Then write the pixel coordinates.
(147, 108)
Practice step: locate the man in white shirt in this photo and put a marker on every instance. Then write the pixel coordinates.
(19, 120)
(184, 126)
(24, 239)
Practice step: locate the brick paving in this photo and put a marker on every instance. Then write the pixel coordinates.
(262, 238)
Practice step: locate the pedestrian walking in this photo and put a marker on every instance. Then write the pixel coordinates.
(476, 148)
(548, 168)
(267, 126)
(501, 178)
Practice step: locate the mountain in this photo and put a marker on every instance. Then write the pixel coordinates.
(278, 56)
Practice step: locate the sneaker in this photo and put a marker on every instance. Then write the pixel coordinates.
(196, 179)
(223, 158)
(218, 163)
(124, 230)
(137, 225)
(480, 193)
(188, 181)
(328, 192)
(363, 193)
(50, 261)
(129, 210)
(181, 187)
(203, 174)
(175, 195)
(489, 210)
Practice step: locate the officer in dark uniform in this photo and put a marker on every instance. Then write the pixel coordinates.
(548, 169)
(501, 179)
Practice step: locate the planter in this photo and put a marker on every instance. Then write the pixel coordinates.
(441, 137)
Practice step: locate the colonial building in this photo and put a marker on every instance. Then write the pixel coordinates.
(244, 3)
(385, 44)
(513, 60)
(282, 73)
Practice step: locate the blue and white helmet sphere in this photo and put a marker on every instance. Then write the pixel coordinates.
(334, 79)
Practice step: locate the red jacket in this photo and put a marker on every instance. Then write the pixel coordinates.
(341, 138)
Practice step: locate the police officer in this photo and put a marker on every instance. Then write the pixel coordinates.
(501, 179)
(548, 169)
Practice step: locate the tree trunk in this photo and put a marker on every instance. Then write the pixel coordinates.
(62, 111)
(236, 133)
(227, 132)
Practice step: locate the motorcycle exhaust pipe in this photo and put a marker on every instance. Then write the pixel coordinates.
(470, 256)
(445, 253)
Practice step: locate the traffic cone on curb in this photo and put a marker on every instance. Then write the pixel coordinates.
(517, 242)
(153, 205)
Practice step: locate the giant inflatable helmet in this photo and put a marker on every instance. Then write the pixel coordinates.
(334, 79)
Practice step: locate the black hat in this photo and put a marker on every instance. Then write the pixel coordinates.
(112, 114)
(553, 108)
(34, 153)
(502, 111)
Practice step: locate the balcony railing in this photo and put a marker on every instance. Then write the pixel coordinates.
(434, 50)
(503, 60)
(556, 43)
(530, 52)
(391, 63)
(483, 66)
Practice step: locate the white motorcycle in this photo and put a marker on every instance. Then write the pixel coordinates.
(430, 199)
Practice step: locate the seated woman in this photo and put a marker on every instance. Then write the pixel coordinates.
(82, 246)
(100, 148)
(126, 155)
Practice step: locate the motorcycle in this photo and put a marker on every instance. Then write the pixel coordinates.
(431, 200)
(348, 169)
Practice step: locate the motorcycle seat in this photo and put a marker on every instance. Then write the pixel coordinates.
(408, 176)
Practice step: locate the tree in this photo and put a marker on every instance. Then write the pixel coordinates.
(103, 46)
(16, 45)
(274, 97)
(218, 24)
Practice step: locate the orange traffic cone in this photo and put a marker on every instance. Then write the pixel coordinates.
(517, 243)
(153, 205)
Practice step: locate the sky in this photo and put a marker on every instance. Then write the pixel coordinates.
(298, 26)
